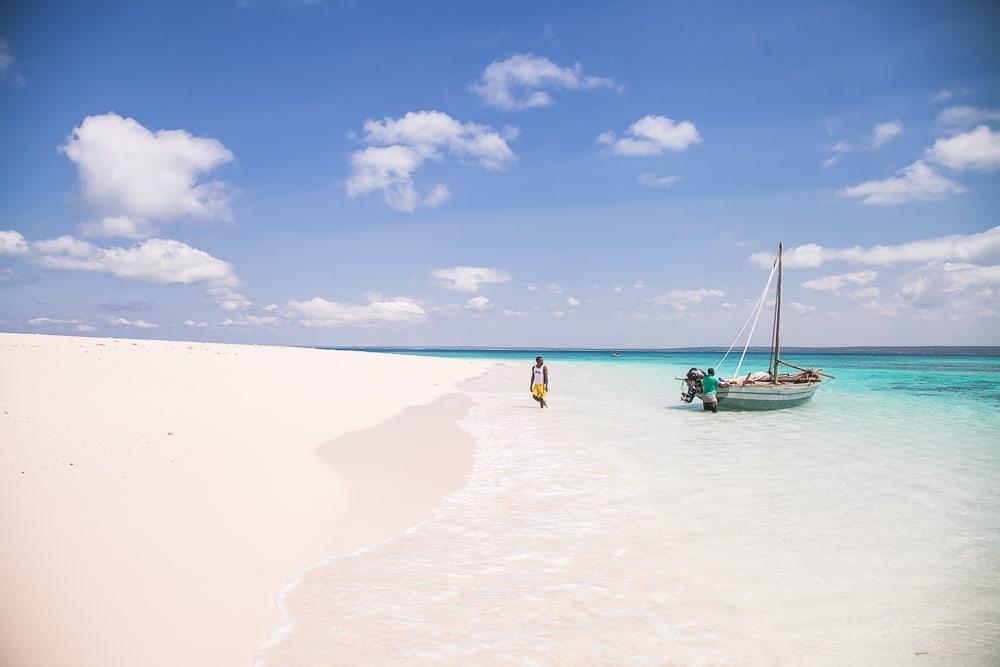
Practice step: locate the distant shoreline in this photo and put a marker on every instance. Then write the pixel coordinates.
(951, 350)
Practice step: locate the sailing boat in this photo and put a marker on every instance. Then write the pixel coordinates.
(771, 390)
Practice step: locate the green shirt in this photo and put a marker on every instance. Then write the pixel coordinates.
(709, 384)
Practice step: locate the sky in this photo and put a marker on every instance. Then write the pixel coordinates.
(531, 174)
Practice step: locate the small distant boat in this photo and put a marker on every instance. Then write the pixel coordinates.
(616, 354)
(770, 390)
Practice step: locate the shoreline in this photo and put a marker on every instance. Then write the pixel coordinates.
(383, 465)
(157, 496)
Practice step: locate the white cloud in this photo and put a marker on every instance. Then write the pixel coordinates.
(478, 303)
(196, 325)
(318, 312)
(48, 322)
(832, 283)
(977, 149)
(7, 276)
(886, 132)
(133, 179)
(959, 288)
(42, 321)
(139, 324)
(468, 278)
(399, 147)
(617, 289)
(12, 243)
(866, 293)
(438, 195)
(572, 302)
(523, 81)
(963, 116)
(638, 284)
(249, 320)
(680, 299)
(654, 181)
(917, 182)
(270, 307)
(652, 135)
(839, 148)
(7, 59)
(956, 247)
(942, 96)
(531, 287)
(554, 288)
(152, 260)
(8, 74)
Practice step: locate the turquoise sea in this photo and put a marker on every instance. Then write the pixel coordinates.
(622, 527)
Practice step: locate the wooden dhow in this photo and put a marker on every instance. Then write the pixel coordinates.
(770, 390)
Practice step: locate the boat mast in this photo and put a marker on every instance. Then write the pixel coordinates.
(777, 324)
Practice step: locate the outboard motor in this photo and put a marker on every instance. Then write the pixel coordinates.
(693, 382)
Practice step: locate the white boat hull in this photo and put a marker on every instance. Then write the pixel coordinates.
(764, 396)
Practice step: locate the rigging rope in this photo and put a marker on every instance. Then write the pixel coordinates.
(758, 307)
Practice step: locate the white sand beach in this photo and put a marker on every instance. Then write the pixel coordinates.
(156, 496)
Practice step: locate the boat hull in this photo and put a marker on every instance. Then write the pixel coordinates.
(764, 397)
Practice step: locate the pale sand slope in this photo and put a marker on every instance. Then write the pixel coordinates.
(155, 496)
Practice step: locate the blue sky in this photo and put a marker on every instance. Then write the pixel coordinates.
(557, 174)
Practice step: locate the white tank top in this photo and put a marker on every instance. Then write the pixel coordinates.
(539, 374)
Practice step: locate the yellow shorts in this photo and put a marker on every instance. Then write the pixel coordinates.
(538, 391)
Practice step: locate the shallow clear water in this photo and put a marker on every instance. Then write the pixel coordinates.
(621, 527)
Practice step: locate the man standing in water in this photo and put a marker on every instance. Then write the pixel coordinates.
(709, 385)
(539, 382)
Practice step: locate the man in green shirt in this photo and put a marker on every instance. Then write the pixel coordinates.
(709, 385)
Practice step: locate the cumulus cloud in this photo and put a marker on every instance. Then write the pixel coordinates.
(964, 116)
(652, 135)
(978, 149)
(196, 325)
(524, 81)
(479, 303)
(399, 147)
(956, 247)
(138, 324)
(960, 288)
(133, 179)
(12, 243)
(833, 283)
(886, 132)
(468, 278)
(654, 181)
(917, 182)
(319, 312)
(830, 161)
(152, 260)
(679, 299)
